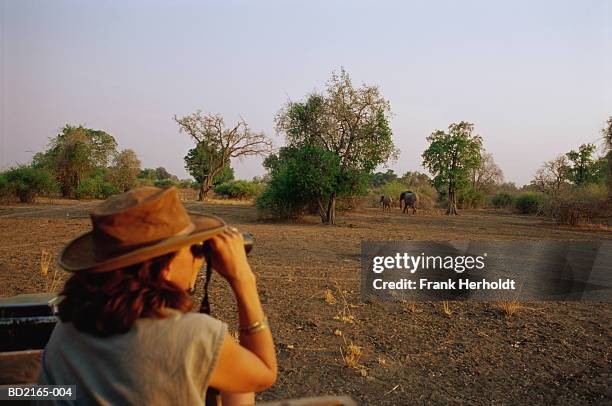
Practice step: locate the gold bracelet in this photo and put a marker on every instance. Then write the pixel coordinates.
(255, 327)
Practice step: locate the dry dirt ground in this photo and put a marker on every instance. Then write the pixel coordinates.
(547, 353)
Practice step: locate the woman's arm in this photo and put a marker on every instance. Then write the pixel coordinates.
(250, 365)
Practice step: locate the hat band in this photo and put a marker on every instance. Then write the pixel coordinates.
(190, 227)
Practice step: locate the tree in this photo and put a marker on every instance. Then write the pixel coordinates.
(218, 144)
(581, 166)
(147, 176)
(74, 153)
(351, 123)
(451, 157)
(196, 163)
(381, 178)
(161, 174)
(487, 174)
(600, 170)
(552, 175)
(607, 135)
(415, 179)
(125, 170)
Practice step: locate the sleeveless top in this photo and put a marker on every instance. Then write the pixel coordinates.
(157, 362)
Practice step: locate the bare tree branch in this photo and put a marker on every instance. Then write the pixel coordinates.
(220, 143)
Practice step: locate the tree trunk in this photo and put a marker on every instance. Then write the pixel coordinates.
(205, 187)
(65, 191)
(322, 212)
(452, 200)
(331, 210)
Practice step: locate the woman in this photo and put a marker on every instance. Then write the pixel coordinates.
(126, 335)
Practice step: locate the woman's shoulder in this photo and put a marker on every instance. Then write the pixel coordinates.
(195, 338)
(185, 324)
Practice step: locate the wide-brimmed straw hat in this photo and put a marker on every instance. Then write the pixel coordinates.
(135, 226)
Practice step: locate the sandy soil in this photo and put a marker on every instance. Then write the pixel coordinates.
(547, 353)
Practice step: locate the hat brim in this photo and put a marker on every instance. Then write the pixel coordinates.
(80, 255)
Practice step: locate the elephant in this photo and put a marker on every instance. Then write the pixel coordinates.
(410, 200)
(387, 202)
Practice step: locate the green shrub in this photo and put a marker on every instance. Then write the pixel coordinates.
(164, 183)
(87, 189)
(292, 176)
(26, 183)
(5, 191)
(472, 198)
(529, 202)
(280, 198)
(502, 200)
(95, 187)
(107, 189)
(239, 189)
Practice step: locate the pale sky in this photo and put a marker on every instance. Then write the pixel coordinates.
(534, 76)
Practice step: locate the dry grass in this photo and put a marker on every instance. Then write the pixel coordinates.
(410, 305)
(329, 297)
(50, 278)
(509, 307)
(345, 314)
(594, 226)
(446, 308)
(351, 355)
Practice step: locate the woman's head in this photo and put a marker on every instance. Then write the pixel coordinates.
(137, 260)
(106, 303)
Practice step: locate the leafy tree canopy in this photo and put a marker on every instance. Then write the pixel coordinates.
(125, 170)
(74, 153)
(348, 122)
(197, 159)
(581, 168)
(380, 178)
(451, 157)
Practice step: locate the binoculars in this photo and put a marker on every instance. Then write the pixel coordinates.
(204, 249)
(248, 241)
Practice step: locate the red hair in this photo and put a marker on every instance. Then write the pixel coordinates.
(107, 303)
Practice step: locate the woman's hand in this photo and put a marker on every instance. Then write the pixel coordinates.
(228, 256)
